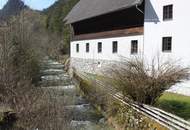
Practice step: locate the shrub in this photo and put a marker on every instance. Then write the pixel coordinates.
(143, 83)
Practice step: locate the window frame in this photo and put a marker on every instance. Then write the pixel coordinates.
(77, 48)
(99, 47)
(134, 49)
(87, 47)
(115, 47)
(168, 12)
(165, 44)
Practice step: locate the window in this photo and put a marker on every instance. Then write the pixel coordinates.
(87, 47)
(168, 12)
(77, 47)
(99, 47)
(166, 44)
(114, 47)
(134, 47)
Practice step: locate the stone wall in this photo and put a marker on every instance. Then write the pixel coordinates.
(90, 65)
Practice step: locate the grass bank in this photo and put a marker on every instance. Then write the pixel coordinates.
(117, 114)
(176, 104)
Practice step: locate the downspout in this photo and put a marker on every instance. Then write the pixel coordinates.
(139, 9)
(143, 29)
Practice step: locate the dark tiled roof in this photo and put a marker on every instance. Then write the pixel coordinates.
(85, 9)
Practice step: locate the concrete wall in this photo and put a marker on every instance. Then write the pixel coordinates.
(91, 66)
(155, 28)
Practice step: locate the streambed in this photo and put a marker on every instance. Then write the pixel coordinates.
(82, 114)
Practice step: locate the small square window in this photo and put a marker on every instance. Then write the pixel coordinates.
(114, 47)
(167, 44)
(77, 47)
(87, 47)
(168, 12)
(99, 47)
(134, 47)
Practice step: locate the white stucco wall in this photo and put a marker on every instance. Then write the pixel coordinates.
(124, 48)
(155, 28)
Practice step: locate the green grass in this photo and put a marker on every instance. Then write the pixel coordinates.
(176, 104)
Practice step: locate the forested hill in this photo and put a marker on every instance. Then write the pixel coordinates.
(52, 19)
(56, 13)
(12, 7)
(55, 25)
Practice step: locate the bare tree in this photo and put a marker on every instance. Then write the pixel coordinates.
(21, 49)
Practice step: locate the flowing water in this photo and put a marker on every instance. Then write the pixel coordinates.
(83, 115)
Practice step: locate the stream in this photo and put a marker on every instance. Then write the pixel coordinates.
(83, 115)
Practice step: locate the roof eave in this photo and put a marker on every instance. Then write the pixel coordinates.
(124, 7)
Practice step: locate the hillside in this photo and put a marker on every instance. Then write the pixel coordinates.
(12, 7)
(56, 13)
(52, 18)
(54, 22)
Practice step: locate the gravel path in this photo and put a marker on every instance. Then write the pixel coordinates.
(181, 88)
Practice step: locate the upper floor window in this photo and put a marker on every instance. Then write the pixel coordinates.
(114, 47)
(99, 47)
(168, 12)
(134, 47)
(167, 44)
(77, 47)
(87, 47)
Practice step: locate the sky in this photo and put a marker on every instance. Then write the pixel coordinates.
(34, 4)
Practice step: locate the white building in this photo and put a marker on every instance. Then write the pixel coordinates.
(166, 24)
(106, 30)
